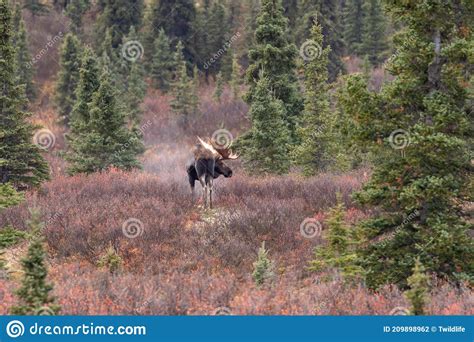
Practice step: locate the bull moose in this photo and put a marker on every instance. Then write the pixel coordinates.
(208, 164)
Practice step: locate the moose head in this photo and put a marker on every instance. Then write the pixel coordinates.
(208, 164)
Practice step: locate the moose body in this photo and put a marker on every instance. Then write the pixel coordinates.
(207, 165)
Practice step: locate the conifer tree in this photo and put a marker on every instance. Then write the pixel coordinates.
(263, 267)
(88, 85)
(135, 92)
(118, 17)
(418, 292)
(219, 88)
(374, 39)
(75, 11)
(353, 25)
(312, 154)
(276, 56)
(339, 252)
(328, 13)
(24, 67)
(34, 294)
(36, 7)
(265, 146)
(176, 17)
(21, 162)
(217, 32)
(68, 77)
(418, 128)
(183, 102)
(9, 196)
(162, 64)
(235, 80)
(105, 140)
(195, 90)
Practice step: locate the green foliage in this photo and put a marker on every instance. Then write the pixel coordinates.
(133, 87)
(36, 7)
(21, 162)
(312, 154)
(236, 78)
(339, 252)
(184, 101)
(263, 267)
(117, 17)
(353, 25)
(374, 39)
(24, 68)
(10, 236)
(111, 260)
(9, 196)
(104, 140)
(428, 101)
(265, 146)
(328, 14)
(176, 17)
(75, 11)
(88, 85)
(34, 293)
(276, 56)
(68, 76)
(162, 64)
(219, 88)
(419, 288)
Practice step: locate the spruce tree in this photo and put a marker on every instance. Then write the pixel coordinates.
(265, 146)
(88, 85)
(183, 101)
(105, 140)
(418, 128)
(312, 154)
(34, 293)
(9, 196)
(263, 267)
(219, 88)
(68, 77)
(75, 11)
(353, 25)
(276, 56)
(236, 78)
(217, 32)
(176, 17)
(24, 67)
(135, 92)
(374, 39)
(36, 7)
(162, 64)
(21, 162)
(339, 252)
(118, 17)
(419, 287)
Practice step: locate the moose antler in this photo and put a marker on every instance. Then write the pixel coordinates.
(225, 152)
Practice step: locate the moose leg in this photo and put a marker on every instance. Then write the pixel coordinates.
(211, 185)
(202, 180)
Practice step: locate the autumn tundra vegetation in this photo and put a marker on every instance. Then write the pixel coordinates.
(351, 193)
